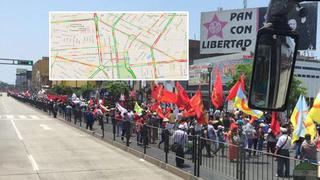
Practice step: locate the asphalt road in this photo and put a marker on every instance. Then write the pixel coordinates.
(35, 146)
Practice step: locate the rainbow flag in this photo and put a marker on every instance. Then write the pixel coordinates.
(241, 102)
(314, 112)
(302, 125)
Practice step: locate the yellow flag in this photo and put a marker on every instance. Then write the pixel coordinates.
(138, 109)
(241, 102)
(314, 112)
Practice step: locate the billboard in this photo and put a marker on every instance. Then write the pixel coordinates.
(226, 64)
(307, 28)
(228, 31)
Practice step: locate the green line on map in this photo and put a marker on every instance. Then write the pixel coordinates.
(128, 67)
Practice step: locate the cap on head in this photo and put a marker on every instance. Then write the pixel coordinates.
(181, 126)
(283, 130)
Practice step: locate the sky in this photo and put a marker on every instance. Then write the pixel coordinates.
(24, 23)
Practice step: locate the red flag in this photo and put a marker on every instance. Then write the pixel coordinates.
(160, 113)
(91, 102)
(275, 125)
(156, 92)
(62, 98)
(154, 107)
(133, 94)
(252, 120)
(188, 113)
(182, 97)
(168, 97)
(233, 91)
(51, 97)
(217, 92)
(204, 118)
(197, 105)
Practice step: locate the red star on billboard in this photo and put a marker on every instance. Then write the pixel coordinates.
(215, 27)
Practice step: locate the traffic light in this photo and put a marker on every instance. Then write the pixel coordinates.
(25, 62)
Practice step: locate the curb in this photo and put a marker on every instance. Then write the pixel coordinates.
(172, 169)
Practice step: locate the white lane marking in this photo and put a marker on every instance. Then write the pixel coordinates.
(5, 107)
(33, 163)
(34, 117)
(44, 117)
(16, 129)
(10, 116)
(22, 117)
(45, 127)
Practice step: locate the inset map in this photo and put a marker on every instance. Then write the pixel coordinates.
(118, 46)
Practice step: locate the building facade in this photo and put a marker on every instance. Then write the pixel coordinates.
(308, 71)
(40, 74)
(21, 79)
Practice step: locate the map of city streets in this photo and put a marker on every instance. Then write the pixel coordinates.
(118, 46)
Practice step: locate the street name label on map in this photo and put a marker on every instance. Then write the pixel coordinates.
(118, 46)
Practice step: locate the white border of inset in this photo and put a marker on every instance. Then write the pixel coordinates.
(135, 12)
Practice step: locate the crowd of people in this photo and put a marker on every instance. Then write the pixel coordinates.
(233, 130)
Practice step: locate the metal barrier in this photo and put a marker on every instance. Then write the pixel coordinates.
(205, 158)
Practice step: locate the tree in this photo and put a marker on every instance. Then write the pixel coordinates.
(85, 90)
(61, 89)
(115, 89)
(241, 69)
(296, 88)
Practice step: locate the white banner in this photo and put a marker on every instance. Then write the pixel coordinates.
(228, 31)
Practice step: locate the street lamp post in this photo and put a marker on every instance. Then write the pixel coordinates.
(210, 68)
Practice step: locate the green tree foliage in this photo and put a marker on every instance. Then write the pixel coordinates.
(115, 89)
(61, 89)
(295, 90)
(85, 90)
(244, 69)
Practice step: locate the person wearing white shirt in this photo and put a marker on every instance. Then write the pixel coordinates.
(282, 149)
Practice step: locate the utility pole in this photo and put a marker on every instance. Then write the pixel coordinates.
(244, 4)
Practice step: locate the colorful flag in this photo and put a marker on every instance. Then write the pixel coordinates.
(217, 91)
(241, 102)
(314, 112)
(234, 90)
(302, 124)
(138, 109)
(275, 125)
(182, 97)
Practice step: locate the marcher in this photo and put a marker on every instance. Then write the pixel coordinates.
(221, 141)
(282, 149)
(309, 150)
(271, 142)
(90, 119)
(180, 138)
(55, 109)
(69, 112)
(233, 139)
